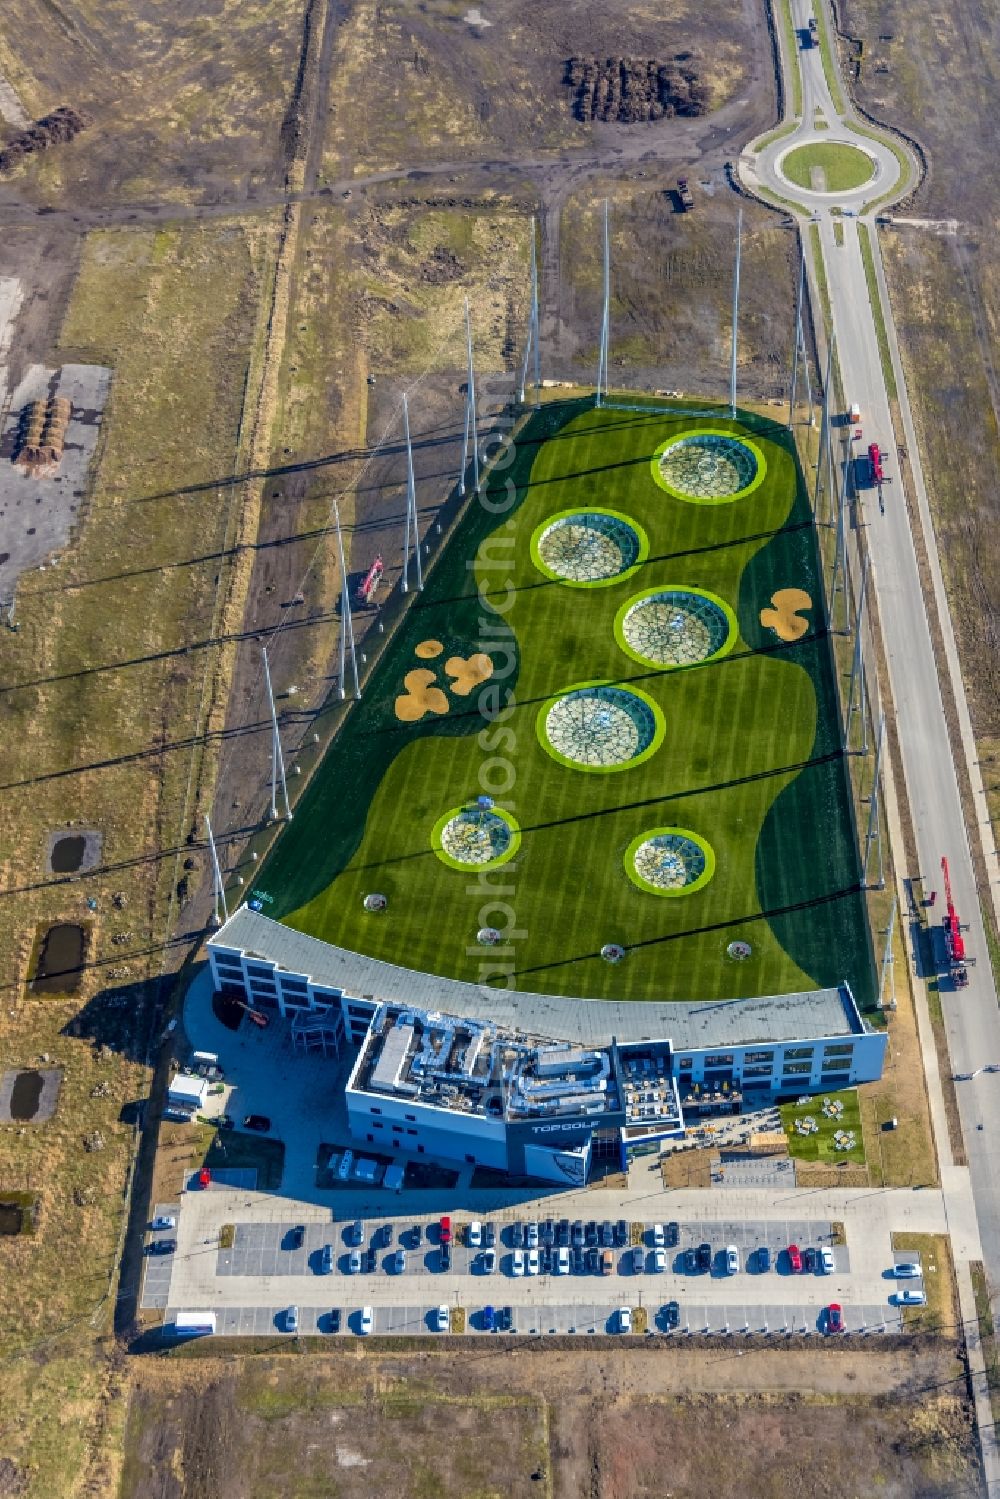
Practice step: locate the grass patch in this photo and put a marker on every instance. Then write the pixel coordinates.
(987, 1333)
(790, 42)
(878, 315)
(722, 770)
(838, 232)
(843, 167)
(819, 271)
(831, 66)
(778, 134)
(227, 1236)
(939, 1314)
(821, 1145)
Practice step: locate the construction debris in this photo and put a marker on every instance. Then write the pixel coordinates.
(41, 436)
(61, 125)
(624, 90)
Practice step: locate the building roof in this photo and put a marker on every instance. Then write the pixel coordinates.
(689, 1025)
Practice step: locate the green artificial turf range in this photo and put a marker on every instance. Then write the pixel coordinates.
(844, 167)
(715, 749)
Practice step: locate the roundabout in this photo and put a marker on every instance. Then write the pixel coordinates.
(831, 167)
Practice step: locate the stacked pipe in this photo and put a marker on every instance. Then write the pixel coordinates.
(42, 433)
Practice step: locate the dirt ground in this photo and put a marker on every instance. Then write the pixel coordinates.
(650, 1424)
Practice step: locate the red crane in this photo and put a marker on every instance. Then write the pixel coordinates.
(368, 586)
(953, 939)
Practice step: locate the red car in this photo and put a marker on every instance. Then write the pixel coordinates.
(444, 1231)
(204, 1176)
(795, 1259)
(834, 1318)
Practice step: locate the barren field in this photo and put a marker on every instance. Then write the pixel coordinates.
(487, 1423)
(418, 83)
(183, 101)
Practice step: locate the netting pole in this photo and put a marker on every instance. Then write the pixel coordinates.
(220, 894)
(531, 347)
(277, 758)
(602, 358)
(824, 427)
(857, 687)
(736, 315)
(346, 619)
(888, 963)
(471, 426)
(874, 835)
(412, 522)
(798, 340)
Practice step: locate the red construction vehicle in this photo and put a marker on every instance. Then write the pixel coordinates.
(875, 459)
(368, 586)
(953, 940)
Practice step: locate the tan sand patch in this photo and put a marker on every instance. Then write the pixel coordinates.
(428, 649)
(467, 674)
(420, 697)
(784, 618)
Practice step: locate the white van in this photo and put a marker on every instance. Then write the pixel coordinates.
(907, 1270)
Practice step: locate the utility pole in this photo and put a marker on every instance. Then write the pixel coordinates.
(873, 835)
(277, 758)
(220, 894)
(824, 426)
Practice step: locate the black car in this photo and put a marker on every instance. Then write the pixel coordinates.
(489, 1235)
(607, 1234)
(371, 1260)
(704, 1256)
(621, 1233)
(416, 1236)
(382, 1237)
(259, 1122)
(335, 1320)
(578, 1234)
(809, 1260)
(579, 1265)
(593, 1234)
(505, 1319)
(517, 1234)
(296, 1237)
(545, 1260)
(594, 1261)
(763, 1258)
(562, 1233)
(445, 1256)
(690, 1261)
(672, 1314)
(163, 1246)
(547, 1233)
(638, 1260)
(671, 1234)
(356, 1233)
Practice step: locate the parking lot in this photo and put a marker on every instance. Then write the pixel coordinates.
(273, 1264)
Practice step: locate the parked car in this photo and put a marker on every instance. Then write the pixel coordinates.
(292, 1319)
(489, 1235)
(593, 1234)
(474, 1235)
(517, 1234)
(442, 1319)
(382, 1237)
(545, 1259)
(532, 1262)
(488, 1261)
(834, 1318)
(163, 1246)
(367, 1320)
(795, 1259)
(547, 1233)
(638, 1259)
(531, 1236)
(416, 1236)
(371, 1260)
(607, 1262)
(505, 1319)
(445, 1256)
(335, 1319)
(204, 1177)
(399, 1261)
(809, 1260)
(907, 1270)
(763, 1258)
(672, 1233)
(690, 1261)
(258, 1122)
(593, 1257)
(356, 1232)
(621, 1233)
(826, 1260)
(326, 1260)
(624, 1319)
(563, 1233)
(562, 1260)
(656, 1235)
(672, 1314)
(659, 1260)
(296, 1236)
(354, 1262)
(579, 1263)
(578, 1236)
(704, 1256)
(607, 1234)
(163, 1220)
(517, 1262)
(910, 1296)
(489, 1319)
(732, 1260)
(444, 1230)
